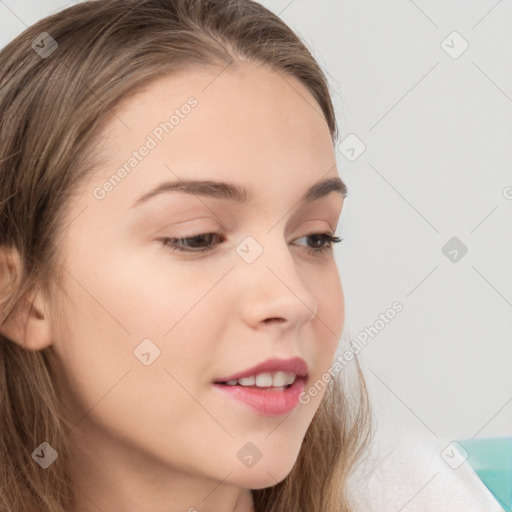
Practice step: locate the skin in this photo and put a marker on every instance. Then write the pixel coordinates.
(160, 437)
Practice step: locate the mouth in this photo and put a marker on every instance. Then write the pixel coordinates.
(276, 372)
(267, 400)
(271, 388)
(277, 381)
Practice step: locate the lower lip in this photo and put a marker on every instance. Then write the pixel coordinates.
(267, 402)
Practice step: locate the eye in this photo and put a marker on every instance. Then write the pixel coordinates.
(180, 244)
(202, 243)
(325, 239)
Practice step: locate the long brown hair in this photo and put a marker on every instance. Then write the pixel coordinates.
(59, 81)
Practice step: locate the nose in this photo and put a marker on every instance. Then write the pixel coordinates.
(273, 290)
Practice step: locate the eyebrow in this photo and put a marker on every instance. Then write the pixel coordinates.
(236, 193)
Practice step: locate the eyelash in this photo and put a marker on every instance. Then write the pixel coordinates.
(171, 243)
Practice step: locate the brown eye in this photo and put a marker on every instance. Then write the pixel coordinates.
(324, 239)
(203, 243)
(196, 243)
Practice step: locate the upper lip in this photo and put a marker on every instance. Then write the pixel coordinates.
(296, 365)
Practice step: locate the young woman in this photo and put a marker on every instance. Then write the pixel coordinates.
(171, 304)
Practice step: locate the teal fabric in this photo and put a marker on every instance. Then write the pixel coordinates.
(491, 459)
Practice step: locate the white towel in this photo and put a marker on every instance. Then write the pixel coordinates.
(404, 471)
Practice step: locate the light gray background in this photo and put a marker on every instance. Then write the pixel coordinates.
(438, 158)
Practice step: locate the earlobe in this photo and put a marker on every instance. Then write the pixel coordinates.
(28, 324)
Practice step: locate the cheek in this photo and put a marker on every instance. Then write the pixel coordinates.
(176, 302)
(331, 308)
(329, 325)
(125, 300)
(148, 293)
(171, 315)
(328, 328)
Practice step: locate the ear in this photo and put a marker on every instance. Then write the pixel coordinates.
(28, 324)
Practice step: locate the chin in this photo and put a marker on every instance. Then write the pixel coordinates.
(263, 475)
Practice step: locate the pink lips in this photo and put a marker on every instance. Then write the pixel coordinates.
(269, 402)
(296, 365)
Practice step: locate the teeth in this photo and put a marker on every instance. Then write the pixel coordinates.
(265, 380)
(281, 379)
(247, 381)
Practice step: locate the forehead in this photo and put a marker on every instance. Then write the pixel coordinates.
(247, 124)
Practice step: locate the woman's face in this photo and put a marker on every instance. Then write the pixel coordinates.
(148, 330)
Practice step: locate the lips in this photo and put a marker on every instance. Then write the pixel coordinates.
(296, 365)
(266, 402)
